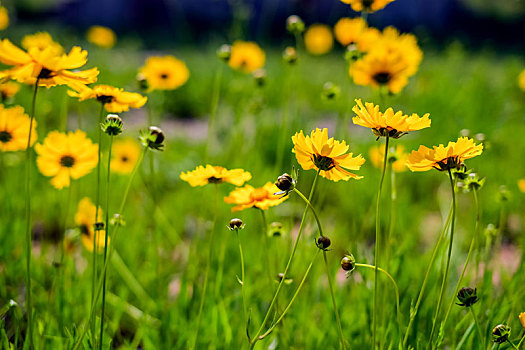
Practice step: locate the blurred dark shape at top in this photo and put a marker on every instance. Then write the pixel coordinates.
(162, 22)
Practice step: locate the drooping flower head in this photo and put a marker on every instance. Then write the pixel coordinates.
(42, 41)
(444, 158)
(393, 124)
(397, 157)
(165, 73)
(246, 56)
(318, 39)
(9, 89)
(46, 65)
(328, 156)
(103, 37)
(14, 129)
(115, 100)
(367, 5)
(65, 156)
(85, 219)
(215, 175)
(125, 154)
(251, 197)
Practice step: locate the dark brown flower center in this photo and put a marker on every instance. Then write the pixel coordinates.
(214, 180)
(124, 159)
(84, 229)
(46, 74)
(67, 161)
(323, 163)
(5, 136)
(382, 78)
(367, 4)
(105, 99)
(164, 76)
(448, 163)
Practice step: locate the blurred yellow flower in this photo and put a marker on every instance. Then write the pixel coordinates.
(47, 66)
(101, 36)
(4, 18)
(404, 45)
(14, 129)
(522, 319)
(318, 39)
(165, 73)
(64, 156)
(397, 157)
(444, 158)
(348, 30)
(124, 156)
(41, 41)
(317, 151)
(521, 80)
(9, 89)
(388, 123)
(367, 5)
(215, 175)
(246, 56)
(115, 100)
(250, 197)
(85, 219)
(521, 185)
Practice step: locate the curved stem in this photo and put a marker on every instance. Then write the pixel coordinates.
(245, 310)
(480, 333)
(309, 204)
(288, 264)
(377, 243)
(447, 267)
(413, 312)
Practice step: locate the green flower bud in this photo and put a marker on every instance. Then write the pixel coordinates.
(467, 296)
(142, 82)
(290, 55)
(260, 77)
(331, 91)
(112, 125)
(294, 25)
(323, 242)
(348, 263)
(224, 52)
(153, 138)
(500, 333)
(236, 224)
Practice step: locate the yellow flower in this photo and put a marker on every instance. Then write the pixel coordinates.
(317, 151)
(66, 156)
(125, 154)
(521, 185)
(9, 89)
(403, 45)
(85, 219)
(47, 66)
(115, 100)
(14, 129)
(521, 80)
(388, 123)
(101, 36)
(215, 174)
(348, 30)
(165, 73)
(250, 197)
(318, 39)
(396, 157)
(444, 158)
(4, 18)
(522, 319)
(368, 39)
(246, 56)
(367, 5)
(41, 41)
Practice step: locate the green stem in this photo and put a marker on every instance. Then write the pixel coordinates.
(309, 204)
(207, 271)
(266, 247)
(29, 239)
(377, 243)
(245, 310)
(288, 264)
(480, 333)
(413, 312)
(521, 341)
(105, 244)
(449, 254)
(61, 267)
(338, 319)
(215, 97)
(511, 343)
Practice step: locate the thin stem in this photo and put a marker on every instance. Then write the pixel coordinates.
(449, 254)
(29, 239)
(245, 310)
(266, 248)
(105, 244)
(206, 273)
(521, 341)
(330, 283)
(413, 312)
(215, 97)
(377, 243)
(480, 333)
(288, 264)
(309, 204)
(511, 343)
(61, 267)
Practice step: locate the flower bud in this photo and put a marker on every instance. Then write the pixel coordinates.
(117, 219)
(112, 125)
(285, 183)
(290, 55)
(352, 53)
(224, 52)
(500, 333)
(467, 296)
(473, 182)
(323, 242)
(276, 229)
(348, 262)
(236, 224)
(294, 25)
(259, 76)
(153, 138)
(142, 82)
(280, 276)
(331, 91)
(98, 226)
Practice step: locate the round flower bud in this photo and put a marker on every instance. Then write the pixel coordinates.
(142, 82)
(500, 333)
(112, 125)
(467, 296)
(236, 224)
(276, 229)
(331, 91)
(348, 263)
(259, 76)
(352, 53)
(224, 52)
(153, 138)
(290, 55)
(323, 242)
(285, 183)
(294, 25)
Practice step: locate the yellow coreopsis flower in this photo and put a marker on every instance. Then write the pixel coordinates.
(41, 41)
(101, 36)
(367, 5)
(318, 39)
(4, 18)
(14, 129)
(347, 31)
(85, 219)
(115, 100)
(521, 185)
(164, 73)
(251, 197)
(404, 45)
(215, 175)
(65, 156)
(125, 154)
(388, 123)
(8, 90)
(397, 157)
(522, 319)
(521, 80)
(246, 56)
(46, 65)
(444, 157)
(328, 156)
